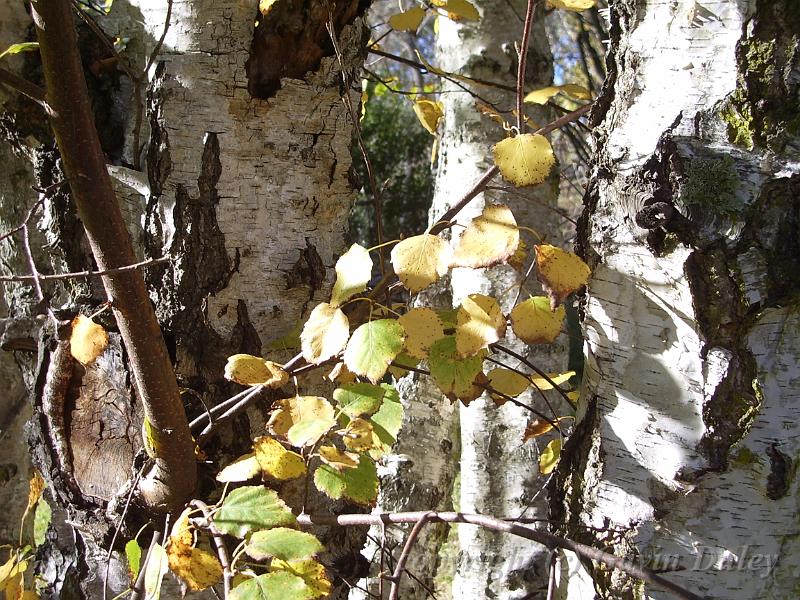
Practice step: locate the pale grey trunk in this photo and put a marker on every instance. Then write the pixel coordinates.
(686, 452)
(249, 198)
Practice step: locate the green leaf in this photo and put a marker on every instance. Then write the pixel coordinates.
(283, 543)
(280, 584)
(251, 508)
(133, 552)
(359, 485)
(41, 521)
(386, 424)
(353, 271)
(356, 399)
(373, 346)
(21, 47)
(454, 375)
(154, 571)
(308, 433)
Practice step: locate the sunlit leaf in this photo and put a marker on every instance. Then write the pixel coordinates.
(517, 260)
(264, 6)
(541, 96)
(548, 459)
(251, 508)
(243, 468)
(358, 436)
(458, 10)
(560, 272)
(574, 5)
(480, 322)
(339, 460)
(574, 397)
(283, 543)
(341, 374)
(423, 327)
(324, 334)
(35, 488)
(281, 584)
(246, 369)
(455, 376)
(181, 532)
(353, 272)
(534, 322)
(429, 113)
(42, 517)
(21, 47)
(373, 346)
(133, 552)
(359, 485)
(312, 573)
(557, 378)
(540, 427)
(197, 568)
(386, 424)
(154, 571)
(489, 239)
(408, 20)
(358, 399)
(88, 340)
(507, 382)
(402, 364)
(276, 461)
(524, 159)
(420, 260)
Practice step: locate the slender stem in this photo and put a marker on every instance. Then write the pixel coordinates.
(26, 88)
(523, 57)
(542, 537)
(394, 591)
(536, 369)
(222, 550)
(78, 274)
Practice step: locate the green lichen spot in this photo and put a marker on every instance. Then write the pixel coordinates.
(739, 123)
(712, 183)
(745, 456)
(760, 56)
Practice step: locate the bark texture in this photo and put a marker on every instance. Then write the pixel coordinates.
(687, 445)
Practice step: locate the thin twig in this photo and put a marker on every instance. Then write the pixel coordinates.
(551, 577)
(28, 216)
(533, 367)
(222, 551)
(394, 591)
(138, 586)
(78, 274)
(27, 89)
(523, 57)
(542, 537)
(118, 528)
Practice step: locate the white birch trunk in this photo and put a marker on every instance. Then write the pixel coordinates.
(688, 440)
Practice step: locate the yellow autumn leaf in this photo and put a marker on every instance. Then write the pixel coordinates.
(264, 6)
(181, 532)
(534, 322)
(423, 327)
(341, 374)
(506, 382)
(276, 461)
(548, 459)
(289, 413)
(35, 489)
(573, 397)
(557, 378)
(458, 10)
(88, 340)
(489, 239)
(420, 260)
(517, 260)
(353, 272)
(247, 369)
(408, 20)
(198, 568)
(429, 113)
(309, 570)
(541, 96)
(560, 272)
(339, 460)
(539, 427)
(573, 5)
(11, 572)
(325, 333)
(480, 322)
(358, 435)
(243, 468)
(524, 159)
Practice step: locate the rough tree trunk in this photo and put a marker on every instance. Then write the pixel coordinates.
(245, 185)
(686, 452)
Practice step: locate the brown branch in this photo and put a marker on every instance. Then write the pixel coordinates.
(26, 88)
(542, 537)
(78, 274)
(173, 476)
(523, 57)
(394, 591)
(219, 543)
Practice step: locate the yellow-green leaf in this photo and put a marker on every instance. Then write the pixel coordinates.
(458, 10)
(373, 346)
(284, 544)
(573, 5)
(198, 568)
(289, 412)
(251, 508)
(324, 334)
(489, 239)
(560, 272)
(429, 113)
(281, 584)
(309, 570)
(541, 96)
(408, 20)
(506, 382)
(353, 271)
(455, 376)
(548, 459)
(243, 468)
(524, 159)
(557, 378)
(534, 322)
(246, 369)
(133, 552)
(420, 260)
(540, 427)
(359, 485)
(358, 435)
(357, 399)
(276, 461)
(88, 340)
(423, 327)
(20, 47)
(339, 460)
(480, 322)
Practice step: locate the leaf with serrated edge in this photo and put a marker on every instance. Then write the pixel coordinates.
(535, 323)
(341, 374)
(373, 346)
(246, 369)
(356, 399)
(198, 568)
(408, 20)
(358, 435)
(480, 322)
(400, 365)
(133, 552)
(290, 412)
(283, 543)
(243, 468)
(429, 113)
(548, 459)
(359, 485)
(87, 341)
(524, 159)
(276, 461)
(281, 584)
(557, 378)
(251, 508)
(324, 334)
(507, 382)
(353, 271)
(311, 571)
(386, 425)
(423, 327)
(573, 5)
(560, 272)
(421, 260)
(455, 375)
(489, 239)
(339, 460)
(541, 96)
